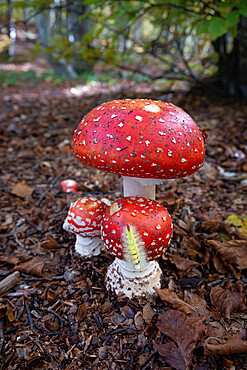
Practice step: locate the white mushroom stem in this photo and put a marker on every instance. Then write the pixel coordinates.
(122, 277)
(88, 247)
(135, 186)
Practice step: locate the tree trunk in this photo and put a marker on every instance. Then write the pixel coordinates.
(43, 24)
(11, 29)
(232, 67)
(77, 28)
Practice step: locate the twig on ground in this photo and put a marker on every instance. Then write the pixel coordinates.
(1, 334)
(45, 191)
(29, 317)
(9, 282)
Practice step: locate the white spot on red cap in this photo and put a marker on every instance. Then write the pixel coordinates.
(139, 118)
(153, 108)
(128, 138)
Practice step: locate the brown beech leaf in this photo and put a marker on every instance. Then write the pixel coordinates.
(148, 313)
(22, 190)
(10, 259)
(185, 331)
(50, 243)
(226, 301)
(37, 362)
(172, 355)
(51, 326)
(170, 297)
(3, 310)
(33, 266)
(81, 313)
(232, 346)
(183, 265)
(196, 301)
(231, 252)
(48, 295)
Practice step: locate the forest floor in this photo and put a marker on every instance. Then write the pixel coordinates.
(58, 314)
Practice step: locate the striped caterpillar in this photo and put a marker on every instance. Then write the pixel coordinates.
(133, 247)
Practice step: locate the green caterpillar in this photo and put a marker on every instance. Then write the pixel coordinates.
(133, 247)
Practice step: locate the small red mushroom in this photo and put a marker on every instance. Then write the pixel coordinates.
(69, 186)
(84, 219)
(137, 231)
(144, 140)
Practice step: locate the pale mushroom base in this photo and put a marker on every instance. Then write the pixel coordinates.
(88, 247)
(122, 277)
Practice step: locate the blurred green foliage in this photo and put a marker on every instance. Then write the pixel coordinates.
(175, 37)
(31, 77)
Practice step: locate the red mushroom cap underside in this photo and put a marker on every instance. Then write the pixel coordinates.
(85, 216)
(149, 220)
(140, 138)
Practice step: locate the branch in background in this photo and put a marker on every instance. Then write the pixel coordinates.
(164, 75)
(186, 63)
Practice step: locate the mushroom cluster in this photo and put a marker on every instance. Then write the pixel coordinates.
(136, 231)
(84, 219)
(145, 141)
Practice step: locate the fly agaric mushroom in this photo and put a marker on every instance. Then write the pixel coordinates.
(137, 231)
(144, 140)
(84, 219)
(69, 186)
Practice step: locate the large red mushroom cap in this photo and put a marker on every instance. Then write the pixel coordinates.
(140, 138)
(85, 216)
(136, 229)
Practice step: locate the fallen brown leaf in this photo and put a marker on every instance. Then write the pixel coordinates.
(172, 355)
(9, 259)
(232, 346)
(139, 321)
(33, 266)
(185, 331)
(48, 295)
(231, 252)
(50, 243)
(170, 297)
(6, 312)
(148, 313)
(51, 326)
(37, 362)
(22, 190)
(226, 301)
(183, 265)
(81, 313)
(196, 301)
